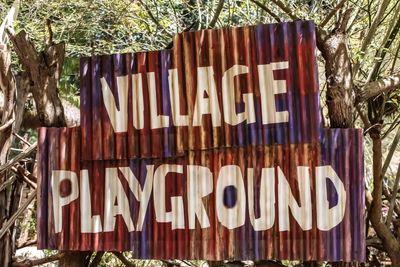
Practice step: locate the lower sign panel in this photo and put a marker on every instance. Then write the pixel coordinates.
(302, 201)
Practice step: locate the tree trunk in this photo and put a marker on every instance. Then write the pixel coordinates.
(7, 86)
(340, 94)
(44, 70)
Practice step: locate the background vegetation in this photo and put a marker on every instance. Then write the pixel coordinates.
(358, 51)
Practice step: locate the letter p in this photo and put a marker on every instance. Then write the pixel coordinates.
(59, 201)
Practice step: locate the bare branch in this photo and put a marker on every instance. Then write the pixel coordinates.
(19, 157)
(20, 173)
(29, 263)
(332, 13)
(286, 9)
(216, 14)
(393, 198)
(22, 139)
(371, 32)
(11, 221)
(97, 259)
(389, 241)
(376, 88)
(266, 9)
(6, 125)
(392, 149)
(150, 13)
(363, 117)
(345, 20)
(8, 182)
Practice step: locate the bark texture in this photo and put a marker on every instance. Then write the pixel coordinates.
(340, 94)
(8, 88)
(44, 70)
(389, 241)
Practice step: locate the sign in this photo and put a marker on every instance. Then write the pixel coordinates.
(231, 87)
(212, 150)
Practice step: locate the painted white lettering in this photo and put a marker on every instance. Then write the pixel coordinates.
(89, 223)
(118, 117)
(228, 98)
(199, 185)
(142, 195)
(266, 199)
(231, 217)
(269, 87)
(156, 121)
(173, 81)
(176, 215)
(327, 218)
(303, 213)
(138, 102)
(58, 201)
(209, 105)
(115, 202)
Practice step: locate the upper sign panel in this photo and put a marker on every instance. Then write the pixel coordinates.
(217, 88)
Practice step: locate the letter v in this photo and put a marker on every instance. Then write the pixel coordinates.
(118, 118)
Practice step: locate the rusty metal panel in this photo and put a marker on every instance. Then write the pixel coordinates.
(247, 61)
(210, 209)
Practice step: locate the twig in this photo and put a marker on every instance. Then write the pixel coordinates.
(363, 117)
(393, 199)
(19, 157)
(96, 260)
(27, 244)
(6, 125)
(10, 222)
(150, 14)
(28, 263)
(22, 139)
(124, 260)
(216, 14)
(345, 20)
(391, 152)
(332, 13)
(8, 182)
(23, 177)
(286, 9)
(266, 9)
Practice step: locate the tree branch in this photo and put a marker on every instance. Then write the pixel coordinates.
(393, 198)
(392, 149)
(286, 9)
(378, 87)
(17, 158)
(266, 9)
(332, 13)
(371, 32)
(11, 221)
(6, 125)
(216, 14)
(97, 259)
(150, 14)
(29, 263)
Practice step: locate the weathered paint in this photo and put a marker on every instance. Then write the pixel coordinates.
(200, 60)
(59, 149)
(158, 133)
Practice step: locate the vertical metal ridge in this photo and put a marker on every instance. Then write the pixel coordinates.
(60, 149)
(219, 50)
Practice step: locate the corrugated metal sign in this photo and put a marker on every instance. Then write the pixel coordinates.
(290, 201)
(217, 88)
(211, 150)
